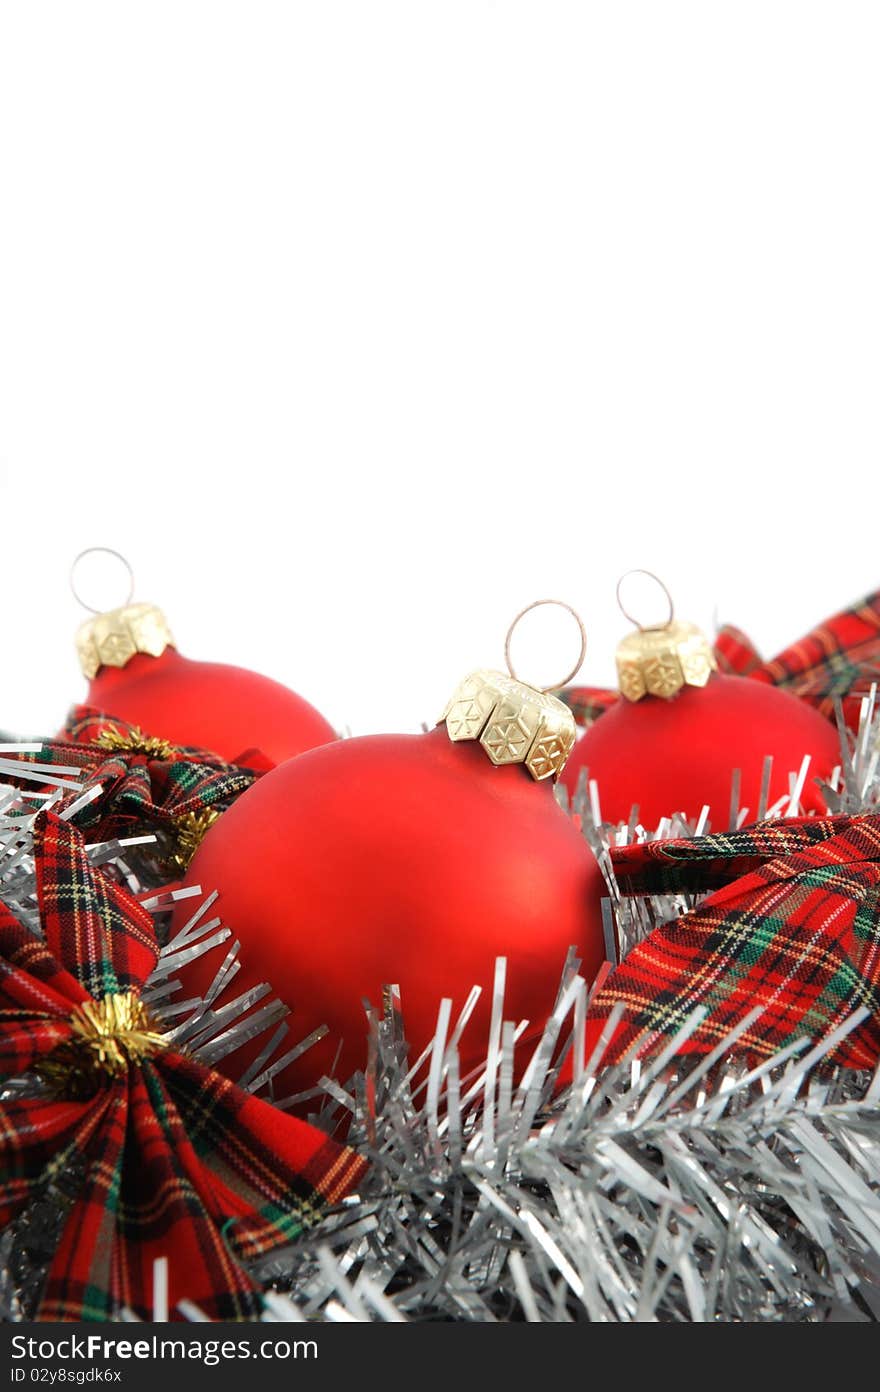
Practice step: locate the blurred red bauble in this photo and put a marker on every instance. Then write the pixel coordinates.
(414, 860)
(135, 672)
(680, 729)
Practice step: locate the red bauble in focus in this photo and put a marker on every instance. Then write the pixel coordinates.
(673, 740)
(408, 859)
(136, 673)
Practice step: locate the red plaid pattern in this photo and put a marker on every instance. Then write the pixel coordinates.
(793, 925)
(178, 1161)
(143, 789)
(736, 653)
(840, 658)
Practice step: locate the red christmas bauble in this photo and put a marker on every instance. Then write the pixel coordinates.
(678, 754)
(403, 859)
(211, 705)
(136, 673)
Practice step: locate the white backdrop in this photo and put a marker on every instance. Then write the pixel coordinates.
(359, 325)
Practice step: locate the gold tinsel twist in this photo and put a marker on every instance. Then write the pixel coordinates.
(137, 742)
(189, 832)
(108, 1035)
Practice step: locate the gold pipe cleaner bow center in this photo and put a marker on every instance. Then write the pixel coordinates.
(108, 1035)
(189, 831)
(136, 743)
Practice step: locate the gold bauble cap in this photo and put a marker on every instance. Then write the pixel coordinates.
(515, 723)
(112, 639)
(662, 659)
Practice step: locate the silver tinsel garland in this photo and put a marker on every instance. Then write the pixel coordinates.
(696, 1191)
(684, 1189)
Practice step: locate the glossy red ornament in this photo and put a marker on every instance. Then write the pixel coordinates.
(135, 672)
(675, 755)
(404, 859)
(228, 710)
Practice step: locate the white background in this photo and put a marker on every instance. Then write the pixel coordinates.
(358, 326)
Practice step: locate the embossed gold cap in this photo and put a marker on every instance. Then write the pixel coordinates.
(112, 639)
(515, 723)
(113, 636)
(660, 660)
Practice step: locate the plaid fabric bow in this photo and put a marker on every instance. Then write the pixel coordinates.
(840, 659)
(177, 1161)
(793, 925)
(146, 783)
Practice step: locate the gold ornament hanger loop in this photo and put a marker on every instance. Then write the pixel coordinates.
(108, 551)
(536, 604)
(645, 628)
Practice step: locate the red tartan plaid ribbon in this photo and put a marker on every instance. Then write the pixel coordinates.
(177, 1161)
(793, 926)
(838, 659)
(736, 653)
(146, 784)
